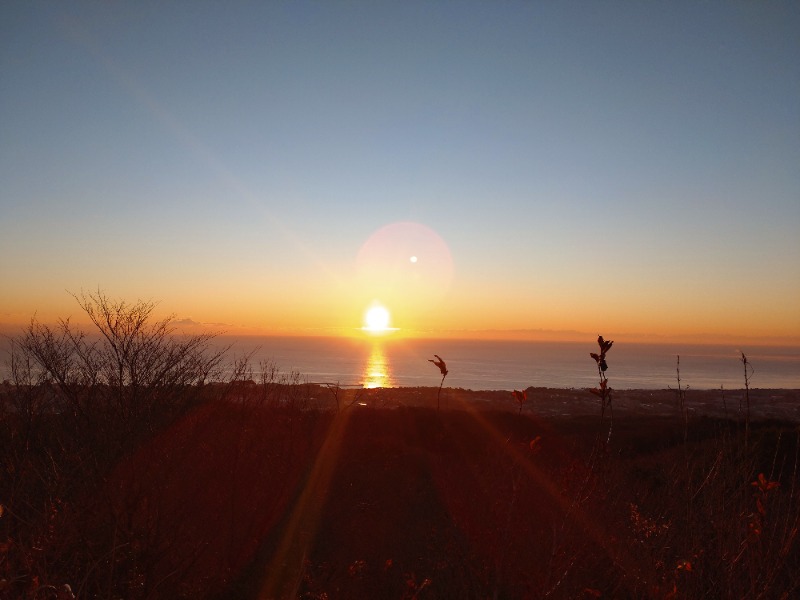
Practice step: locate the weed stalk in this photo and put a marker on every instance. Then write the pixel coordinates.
(603, 391)
(748, 373)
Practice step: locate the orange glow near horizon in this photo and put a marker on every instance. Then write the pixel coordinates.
(470, 320)
(409, 267)
(468, 308)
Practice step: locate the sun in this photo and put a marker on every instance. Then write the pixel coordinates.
(376, 319)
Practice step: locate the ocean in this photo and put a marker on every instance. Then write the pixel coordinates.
(508, 365)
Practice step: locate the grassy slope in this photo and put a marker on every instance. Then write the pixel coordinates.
(391, 499)
(457, 505)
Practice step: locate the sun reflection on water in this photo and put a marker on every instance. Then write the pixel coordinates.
(377, 373)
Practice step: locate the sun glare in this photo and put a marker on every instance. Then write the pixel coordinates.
(377, 319)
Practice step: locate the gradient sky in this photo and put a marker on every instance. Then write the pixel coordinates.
(628, 168)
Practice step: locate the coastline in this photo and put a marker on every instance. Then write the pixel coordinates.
(564, 403)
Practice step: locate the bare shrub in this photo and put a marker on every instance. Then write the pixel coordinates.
(77, 402)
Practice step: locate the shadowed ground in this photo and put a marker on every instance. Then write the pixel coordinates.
(458, 504)
(390, 498)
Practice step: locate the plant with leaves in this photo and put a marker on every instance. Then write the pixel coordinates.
(439, 362)
(603, 391)
(763, 489)
(520, 397)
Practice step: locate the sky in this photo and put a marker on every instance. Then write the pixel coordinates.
(489, 169)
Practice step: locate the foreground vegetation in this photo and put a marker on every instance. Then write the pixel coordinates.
(132, 466)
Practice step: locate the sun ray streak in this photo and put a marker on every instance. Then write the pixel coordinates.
(600, 536)
(284, 572)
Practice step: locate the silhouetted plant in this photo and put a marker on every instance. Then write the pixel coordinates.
(439, 362)
(334, 389)
(680, 394)
(603, 391)
(520, 397)
(748, 373)
(85, 400)
(724, 402)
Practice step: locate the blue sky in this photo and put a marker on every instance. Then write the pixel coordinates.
(625, 166)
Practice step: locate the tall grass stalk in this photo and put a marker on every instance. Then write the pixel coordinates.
(748, 373)
(681, 394)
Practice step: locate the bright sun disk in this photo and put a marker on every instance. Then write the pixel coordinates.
(377, 319)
